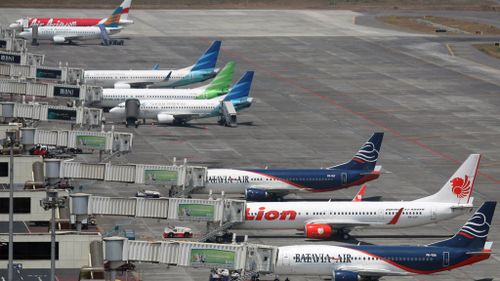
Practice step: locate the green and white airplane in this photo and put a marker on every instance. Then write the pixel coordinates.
(217, 87)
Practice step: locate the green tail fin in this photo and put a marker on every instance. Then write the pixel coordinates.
(221, 83)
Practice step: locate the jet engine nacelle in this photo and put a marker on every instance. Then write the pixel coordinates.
(344, 275)
(254, 194)
(122, 86)
(58, 39)
(164, 118)
(318, 231)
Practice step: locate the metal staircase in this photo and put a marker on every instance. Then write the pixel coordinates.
(211, 234)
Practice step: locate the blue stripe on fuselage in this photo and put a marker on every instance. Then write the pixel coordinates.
(416, 259)
(316, 179)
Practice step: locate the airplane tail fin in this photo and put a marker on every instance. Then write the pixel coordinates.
(208, 60)
(119, 15)
(242, 88)
(458, 189)
(114, 19)
(474, 232)
(220, 84)
(125, 8)
(366, 157)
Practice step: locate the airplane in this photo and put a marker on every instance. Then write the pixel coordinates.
(121, 11)
(273, 184)
(181, 111)
(202, 70)
(218, 86)
(371, 262)
(322, 220)
(68, 34)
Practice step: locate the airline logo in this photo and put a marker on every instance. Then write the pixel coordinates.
(270, 215)
(476, 227)
(461, 187)
(51, 22)
(367, 153)
(228, 179)
(322, 258)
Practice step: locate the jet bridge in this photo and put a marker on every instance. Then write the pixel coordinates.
(9, 42)
(179, 209)
(110, 141)
(44, 112)
(178, 176)
(244, 257)
(84, 93)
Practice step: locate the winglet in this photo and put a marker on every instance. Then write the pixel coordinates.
(396, 217)
(156, 66)
(360, 194)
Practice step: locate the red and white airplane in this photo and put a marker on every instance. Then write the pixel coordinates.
(122, 11)
(323, 219)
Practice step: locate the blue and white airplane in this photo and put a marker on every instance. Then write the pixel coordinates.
(176, 112)
(371, 262)
(202, 70)
(266, 184)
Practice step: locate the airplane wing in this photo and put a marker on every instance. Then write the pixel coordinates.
(373, 272)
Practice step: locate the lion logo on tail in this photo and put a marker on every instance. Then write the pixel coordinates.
(461, 187)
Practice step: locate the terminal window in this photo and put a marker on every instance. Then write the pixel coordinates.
(22, 205)
(29, 251)
(4, 169)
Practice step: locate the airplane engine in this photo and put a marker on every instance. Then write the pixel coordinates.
(164, 118)
(254, 194)
(344, 275)
(318, 231)
(59, 39)
(122, 86)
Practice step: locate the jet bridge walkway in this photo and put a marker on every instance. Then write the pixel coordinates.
(247, 258)
(219, 214)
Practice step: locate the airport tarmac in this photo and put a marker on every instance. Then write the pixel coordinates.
(323, 85)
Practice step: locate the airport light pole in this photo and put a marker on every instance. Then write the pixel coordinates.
(11, 136)
(52, 201)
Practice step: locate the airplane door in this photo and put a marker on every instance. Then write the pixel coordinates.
(446, 259)
(433, 214)
(343, 178)
(286, 262)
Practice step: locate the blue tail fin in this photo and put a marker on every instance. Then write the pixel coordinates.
(366, 157)
(156, 66)
(209, 59)
(241, 88)
(474, 232)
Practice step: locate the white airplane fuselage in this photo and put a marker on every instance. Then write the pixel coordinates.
(54, 32)
(295, 215)
(112, 97)
(108, 78)
(149, 109)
